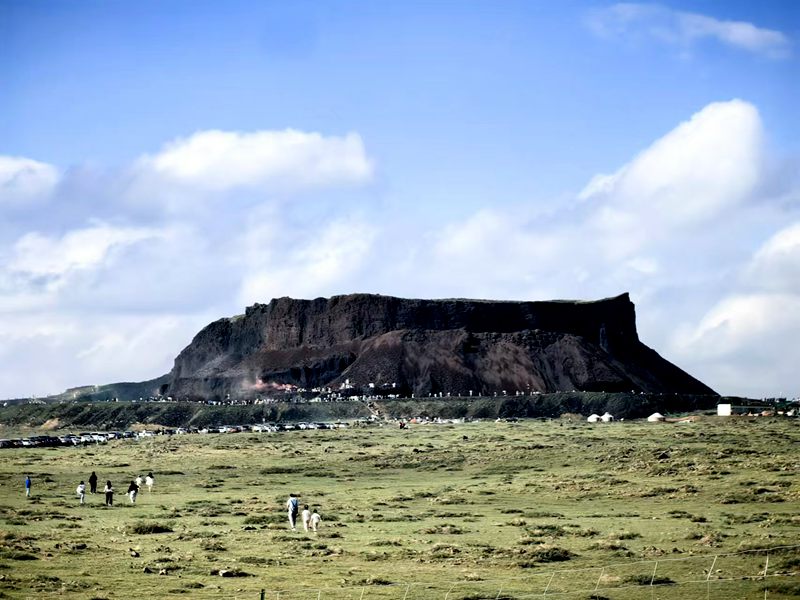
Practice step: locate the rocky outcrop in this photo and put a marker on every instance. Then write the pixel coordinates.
(425, 346)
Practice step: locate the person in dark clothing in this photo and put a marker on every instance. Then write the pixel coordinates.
(133, 490)
(293, 506)
(93, 483)
(109, 491)
(28, 486)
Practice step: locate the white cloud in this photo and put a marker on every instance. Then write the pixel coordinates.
(23, 180)
(126, 258)
(43, 353)
(679, 226)
(39, 255)
(697, 172)
(775, 267)
(282, 262)
(735, 33)
(277, 160)
(672, 227)
(755, 326)
(684, 29)
(747, 343)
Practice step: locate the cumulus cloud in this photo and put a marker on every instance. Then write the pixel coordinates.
(685, 29)
(747, 342)
(43, 353)
(39, 255)
(748, 337)
(671, 226)
(676, 196)
(285, 262)
(23, 180)
(114, 284)
(775, 267)
(703, 168)
(684, 225)
(285, 160)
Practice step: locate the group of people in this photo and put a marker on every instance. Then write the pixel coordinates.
(108, 490)
(309, 517)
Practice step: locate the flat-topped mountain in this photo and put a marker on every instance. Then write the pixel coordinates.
(453, 346)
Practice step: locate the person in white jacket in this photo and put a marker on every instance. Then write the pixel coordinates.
(306, 517)
(149, 481)
(81, 491)
(315, 519)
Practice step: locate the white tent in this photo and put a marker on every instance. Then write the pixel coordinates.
(655, 417)
(593, 418)
(607, 417)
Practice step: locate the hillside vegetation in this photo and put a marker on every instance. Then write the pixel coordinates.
(120, 415)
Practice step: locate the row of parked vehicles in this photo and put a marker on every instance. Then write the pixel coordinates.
(71, 439)
(273, 427)
(39, 441)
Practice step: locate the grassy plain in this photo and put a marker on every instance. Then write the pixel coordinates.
(472, 511)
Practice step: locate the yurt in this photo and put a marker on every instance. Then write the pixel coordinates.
(655, 417)
(607, 418)
(593, 418)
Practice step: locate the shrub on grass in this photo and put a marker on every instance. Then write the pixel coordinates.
(277, 470)
(626, 535)
(790, 564)
(212, 546)
(231, 573)
(17, 555)
(385, 543)
(784, 589)
(607, 545)
(549, 530)
(257, 560)
(551, 554)
(372, 581)
(647, 580)
(147, 527)
(446, 529)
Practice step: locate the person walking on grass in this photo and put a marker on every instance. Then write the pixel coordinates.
(315, 519)
(93, 483)
(139, 481)
(27, 486)
(81, 491)
(306, 518)
(149, 481)
(292, 505)
(133, 491)
(109, 492)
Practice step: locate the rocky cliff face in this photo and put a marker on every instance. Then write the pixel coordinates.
(425, 346)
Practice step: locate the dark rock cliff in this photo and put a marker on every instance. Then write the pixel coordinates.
(425, 346)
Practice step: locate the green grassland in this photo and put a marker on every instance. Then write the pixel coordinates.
(471, 511)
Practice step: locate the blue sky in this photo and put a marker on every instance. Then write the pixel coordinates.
(164, 164)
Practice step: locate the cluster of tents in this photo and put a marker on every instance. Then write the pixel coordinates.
(608, 417)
